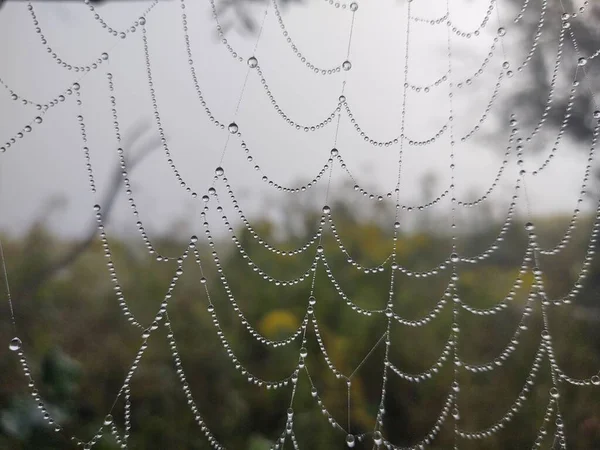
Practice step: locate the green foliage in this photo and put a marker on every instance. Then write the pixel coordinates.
(80, 347)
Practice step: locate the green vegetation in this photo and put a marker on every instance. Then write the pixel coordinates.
(79, 345)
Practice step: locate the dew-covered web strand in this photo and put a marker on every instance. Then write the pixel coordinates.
(8, 295)
(450, 295)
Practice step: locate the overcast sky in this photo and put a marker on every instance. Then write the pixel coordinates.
(50, 163)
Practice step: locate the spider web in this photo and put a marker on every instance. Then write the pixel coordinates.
(220, 194)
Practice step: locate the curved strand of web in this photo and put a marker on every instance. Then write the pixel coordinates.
(126, 182)
(538, 34)
(299, 55)
(446, 19)
(503, 304)
(494, 246)
(256, 268)
(238, 365)
(272, 99)
(312, 240)
(428, 373)
(487, 110)
(261, 240)
(562, 128)
(430, 437)
(516, 406)
(48, 415)
(315, 394)
(584, 272)
(145, 336)
(349, 302)
(418, 274)
(542, 432)
(410, 140)
(439, 306)
(121, 33)
(300, 127)
(187, 390)
(40, 106)
(269, 181)
(467, 34)
(521, 12)
(494, 184)
(379, 196)
(427, 141)
(220, 333)
(374, 269)
(157, 117)
(566, 238)
(27, 128)
(60, 61)
(113, 274)
(253, 332)
(467, 81)
(512, 345)
(593, 380)
(275, 250)
(550, 98)
(338, 374)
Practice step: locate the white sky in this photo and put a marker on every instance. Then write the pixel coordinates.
(50, 162)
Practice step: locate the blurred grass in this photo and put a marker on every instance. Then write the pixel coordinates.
(79, 346)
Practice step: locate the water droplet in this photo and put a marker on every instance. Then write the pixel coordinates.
(252, 62)
(334, 152)
(582, 62)
(353, 6)
(313, 392)
(205, 198)
(76, 86)
(597, 114)
(505, 65)
(501, 31)
(312, 300)
(122, 35)
(104, 56)
(342, 98)
(194, 239)
(346, 65)
(377, 437)
(350, 440)
(454, 258)
(219, 171)
(596, 380)
(303, 352)
(396, 225)
(142, 21)
(326, 209)
(233, 128)
(554, 392)
(566, 16)
(108, 420)
(38, 119)
(529, 226)
(15, 344)
(320, 249)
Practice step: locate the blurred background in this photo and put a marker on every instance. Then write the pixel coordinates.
(78, 343)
